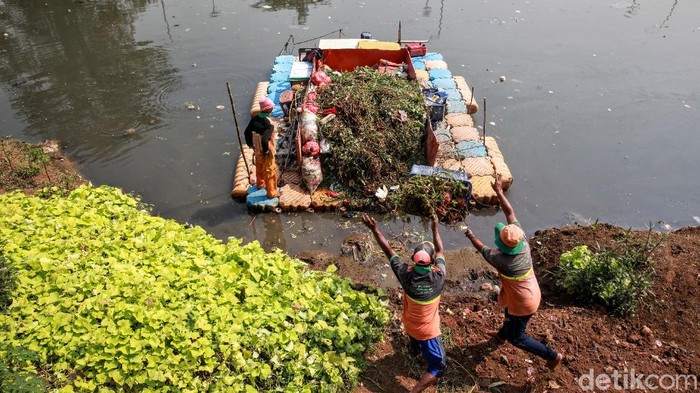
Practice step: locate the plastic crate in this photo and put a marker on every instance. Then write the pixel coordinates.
(425, 170)
(437, 112)
(436, 101)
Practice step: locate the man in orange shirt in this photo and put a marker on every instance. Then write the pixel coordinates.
(422, 284)
(520, 293)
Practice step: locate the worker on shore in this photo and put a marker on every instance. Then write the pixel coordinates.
(258, 136)
(520, 293)
(422, 284)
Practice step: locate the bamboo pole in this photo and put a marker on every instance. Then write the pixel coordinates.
(484, 119)
(484, 140)
(238, 131)
(471, 101)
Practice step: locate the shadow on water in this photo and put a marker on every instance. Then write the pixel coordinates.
(668, 17)
(214, 12)
(77, 66)
(211, 216)
(300, 6)
(632, 8)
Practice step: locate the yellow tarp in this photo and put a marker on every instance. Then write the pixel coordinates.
(378, 45)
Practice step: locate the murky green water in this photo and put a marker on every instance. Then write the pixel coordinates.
(598, 116)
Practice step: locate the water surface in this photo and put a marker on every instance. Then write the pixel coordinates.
(597, 118)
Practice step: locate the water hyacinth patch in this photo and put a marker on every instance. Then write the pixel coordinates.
(113, 298)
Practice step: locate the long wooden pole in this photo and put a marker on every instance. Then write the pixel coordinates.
(471, 101)
(238, 130)
(485, 148)
(484, 119)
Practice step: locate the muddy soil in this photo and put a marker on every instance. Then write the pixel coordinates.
(363, 262)
(660, 339)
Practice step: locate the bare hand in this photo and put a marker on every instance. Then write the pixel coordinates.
(435, 220)
(498, 184)
(468, 233)
(369, 222)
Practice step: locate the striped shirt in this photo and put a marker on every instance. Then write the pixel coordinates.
(520, 292)
(421, 300)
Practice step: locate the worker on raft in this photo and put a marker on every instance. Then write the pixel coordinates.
(258, 136)
(422, 284)
(520, 294)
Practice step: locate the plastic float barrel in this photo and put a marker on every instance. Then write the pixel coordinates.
(459, 120)
(498, 162)
(260, 92)
(244, 175)
(464, 133)
(293, 198)
(257, 200)
(465, 91)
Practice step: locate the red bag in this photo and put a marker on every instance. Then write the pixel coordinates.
(309, 106)
(311, 96)
(311, 149)
(320, 79)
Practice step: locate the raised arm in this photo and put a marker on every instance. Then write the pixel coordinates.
(505, 205)
(478, 244)
(437, 241)
(381, 240)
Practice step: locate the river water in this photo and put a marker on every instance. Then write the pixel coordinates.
(598, 116)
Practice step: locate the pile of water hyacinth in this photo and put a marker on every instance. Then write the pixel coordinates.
(378, 132)
(377, 135)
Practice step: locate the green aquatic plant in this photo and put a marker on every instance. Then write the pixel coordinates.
(8, 283)
(111, 298)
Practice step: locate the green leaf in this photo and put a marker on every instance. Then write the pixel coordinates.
(125, 300)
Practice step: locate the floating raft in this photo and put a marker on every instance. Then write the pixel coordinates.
(460, 145)
(257, 200)
(243, 176)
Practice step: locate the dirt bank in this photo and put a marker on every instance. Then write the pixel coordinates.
(28, 167)
(661, 339)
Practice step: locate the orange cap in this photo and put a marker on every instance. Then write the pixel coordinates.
(511, 235)
(421, 258)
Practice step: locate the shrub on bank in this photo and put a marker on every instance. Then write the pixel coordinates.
(618, 280)
(109, 296)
